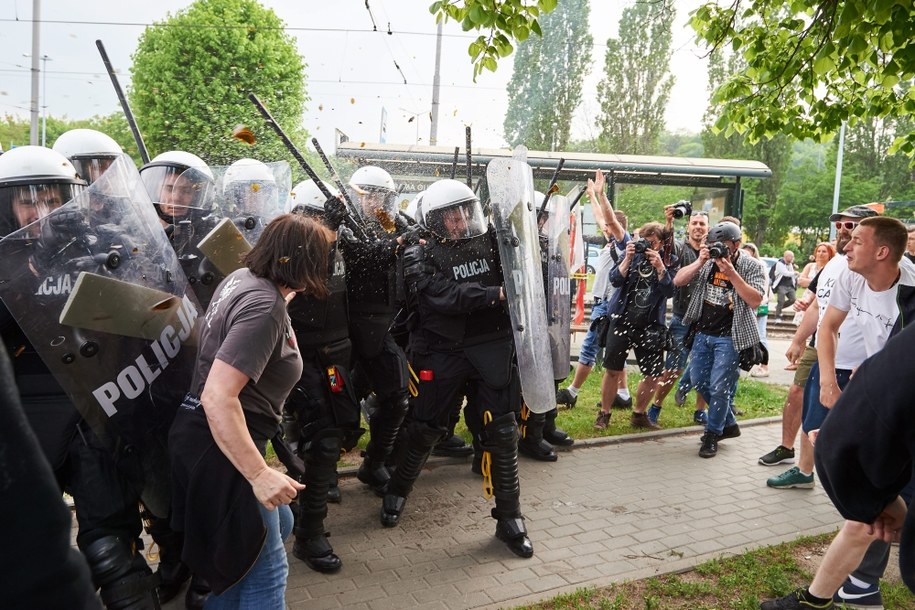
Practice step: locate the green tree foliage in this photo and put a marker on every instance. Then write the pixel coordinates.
(810, 65)
(761, 196)
(501, 21)
(192, 74)
(16, 131)
(634, 91)
(545, 88)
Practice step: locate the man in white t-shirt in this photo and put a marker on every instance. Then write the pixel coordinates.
(877, 282)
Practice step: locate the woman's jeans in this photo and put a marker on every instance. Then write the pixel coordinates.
(264, 586)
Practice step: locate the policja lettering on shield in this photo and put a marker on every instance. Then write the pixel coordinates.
(62, 285)
(134, 378)
(470, 269)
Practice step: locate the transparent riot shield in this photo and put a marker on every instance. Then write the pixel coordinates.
(251, 199)
(558, 297)
(98, 292)
(187, 198)
(511, 193)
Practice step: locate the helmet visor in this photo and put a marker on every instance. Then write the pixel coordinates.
(375, 203)
(177, 191)
(90, 169)
(23, 205)
(459, 221)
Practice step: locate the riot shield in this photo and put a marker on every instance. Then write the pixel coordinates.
(252, 204)
(98, 292)
(558, 303)
(510, 186)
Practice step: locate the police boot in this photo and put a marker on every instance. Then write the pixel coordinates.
(454, 446)
(532, 444)
(553, 435)
(500, 440)
(197, 593)
(124, 580)
(311, 546)
(172, 572)
(384, 428)
(418, 442)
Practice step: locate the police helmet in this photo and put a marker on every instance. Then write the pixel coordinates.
(724, 231)
(374, 188)
(90, 151)
(306, 196)
(450, 210)
(179, 184)
(34, 181)
(249, 187)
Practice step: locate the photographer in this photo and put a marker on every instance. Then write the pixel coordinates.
(645, 280)
(722, 313)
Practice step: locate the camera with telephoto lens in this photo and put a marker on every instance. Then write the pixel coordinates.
(718, 250)
(682, 208)
(640, 245)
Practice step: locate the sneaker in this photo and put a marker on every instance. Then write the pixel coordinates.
(779, 455)
(796, 600)
(700, 418)
(857, 597)
(709, 448)
(653, 412)
(680, 397)
(564, 398)
(622, 403)
(640, 420)
(732, 431)
(791, 478)
(602, 421)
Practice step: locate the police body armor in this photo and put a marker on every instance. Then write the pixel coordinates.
(469, 260)
(372, 290)
(321, 324)
(107, 308)
(203, 277)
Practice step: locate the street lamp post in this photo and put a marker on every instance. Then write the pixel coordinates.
(44, 97)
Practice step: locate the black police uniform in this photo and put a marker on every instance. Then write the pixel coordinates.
(461, 342)
(323, 408)
(380, 364)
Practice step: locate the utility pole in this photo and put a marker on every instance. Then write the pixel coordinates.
(838, 184)
(44, 97)
(36, 45)
(436, 80)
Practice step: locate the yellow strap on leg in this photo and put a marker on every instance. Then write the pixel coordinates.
(152, 551)
(525, 414)
(412, 382)
(486, 464)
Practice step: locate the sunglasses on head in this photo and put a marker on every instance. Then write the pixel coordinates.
(847, 224)
(699, 213)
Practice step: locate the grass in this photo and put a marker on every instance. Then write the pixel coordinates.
(732, 583)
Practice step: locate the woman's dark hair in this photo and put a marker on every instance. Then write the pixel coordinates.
(293, 251)
(656, 229)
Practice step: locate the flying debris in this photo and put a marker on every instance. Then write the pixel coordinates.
(244, 133)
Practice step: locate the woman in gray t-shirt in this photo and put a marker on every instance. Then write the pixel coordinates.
(231, 506)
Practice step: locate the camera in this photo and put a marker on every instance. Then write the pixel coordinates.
(682, 208)
(640, 245)
(718, 250)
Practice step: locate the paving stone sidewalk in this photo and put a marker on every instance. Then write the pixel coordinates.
(605, 512)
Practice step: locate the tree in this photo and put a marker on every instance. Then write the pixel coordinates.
(545, 88)
(811, 65)
(633, 94)
(192, 73)
(762, 197)
(502, 20)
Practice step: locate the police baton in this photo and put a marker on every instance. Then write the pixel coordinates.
(144, 154)
(355, 227)
(552, 188)
(337, 181)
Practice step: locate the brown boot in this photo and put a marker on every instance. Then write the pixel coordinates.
(640, 420)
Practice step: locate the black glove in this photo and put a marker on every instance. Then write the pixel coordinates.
(415, 266)
(335, 212)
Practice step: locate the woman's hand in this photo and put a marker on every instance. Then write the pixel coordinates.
(273, 488)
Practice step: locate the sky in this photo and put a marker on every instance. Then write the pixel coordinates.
(351, 73)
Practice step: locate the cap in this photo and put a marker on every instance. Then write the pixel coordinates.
(855, 211)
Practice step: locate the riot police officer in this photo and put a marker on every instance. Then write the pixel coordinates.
(35, 181)
(460, 342)
(380, 364)
(91, 152)
(321, 412)
(251, 196)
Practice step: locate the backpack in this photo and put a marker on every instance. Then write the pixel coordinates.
(772, 271)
